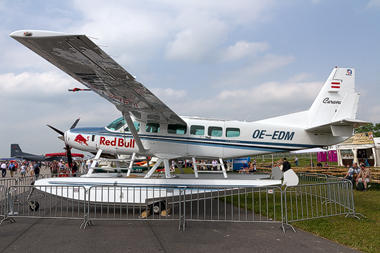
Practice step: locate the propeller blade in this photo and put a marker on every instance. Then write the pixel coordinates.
(75, 123)
(58, 131)
(69, 157)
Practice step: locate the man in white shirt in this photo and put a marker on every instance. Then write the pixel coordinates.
(3, 169)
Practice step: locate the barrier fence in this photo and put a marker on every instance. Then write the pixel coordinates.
(316, 196)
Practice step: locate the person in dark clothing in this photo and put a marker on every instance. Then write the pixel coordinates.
(286, 165)
(36, 168)
(74, 169)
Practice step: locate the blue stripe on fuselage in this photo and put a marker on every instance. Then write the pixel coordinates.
(260, 146)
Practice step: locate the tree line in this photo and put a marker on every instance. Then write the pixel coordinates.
(374, 128)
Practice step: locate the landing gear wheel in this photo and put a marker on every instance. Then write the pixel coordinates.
(157, 207)
(34, 205)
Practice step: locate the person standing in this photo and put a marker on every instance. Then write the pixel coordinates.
(36, 169)
(11, 168)
(55, 169)
(254, 165)
(23, 170)
(286, 165)
(214, 164)
(3, 169)
(74, 169)
(296, 161)
(30, 169)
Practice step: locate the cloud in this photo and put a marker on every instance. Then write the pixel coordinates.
(169, 94)
(243, 49)
(263, 101)
(373, 4)
(194, 44)
(270, 62)
(190, 31)
(254, 69)
(29, 83)
(31, 100)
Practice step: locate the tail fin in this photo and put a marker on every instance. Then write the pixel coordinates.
(15, 150)
(334, 110)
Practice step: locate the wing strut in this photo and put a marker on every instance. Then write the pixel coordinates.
(132, 128)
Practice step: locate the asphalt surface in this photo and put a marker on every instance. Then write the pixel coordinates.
(65, 235)
(62, 235)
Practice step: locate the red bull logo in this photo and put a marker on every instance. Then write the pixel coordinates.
(80, 139)
(120, 142)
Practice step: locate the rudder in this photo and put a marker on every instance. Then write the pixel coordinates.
(336, 100)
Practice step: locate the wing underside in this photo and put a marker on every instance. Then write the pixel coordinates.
(82, 59)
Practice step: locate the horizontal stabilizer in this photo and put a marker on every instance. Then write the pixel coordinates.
(343, 127)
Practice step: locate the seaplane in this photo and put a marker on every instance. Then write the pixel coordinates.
(150, 128)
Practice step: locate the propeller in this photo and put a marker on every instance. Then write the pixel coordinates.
(67, 147)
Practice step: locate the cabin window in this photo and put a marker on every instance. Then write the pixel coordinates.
(197, 130)
(137, 126)
(152, 128)
(117, 124)
(215, 131)
(176, 129)
(232, 132)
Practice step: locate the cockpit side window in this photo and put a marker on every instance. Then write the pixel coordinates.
(152, 128)
(176, 129)
(137, 126)
(197, 130)
(117, 124)
(232, 132)
(215, 131)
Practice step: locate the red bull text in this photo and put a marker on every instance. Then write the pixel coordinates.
(120, 142)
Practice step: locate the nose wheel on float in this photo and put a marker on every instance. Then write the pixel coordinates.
(33, 205)
(157, 207)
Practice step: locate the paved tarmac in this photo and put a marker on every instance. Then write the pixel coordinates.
(63, 235)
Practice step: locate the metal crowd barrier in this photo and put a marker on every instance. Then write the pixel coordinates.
(316, 196)
(135, 202)
(234, 204)
(311, 201)
(312, 178)
(3, 202)
(42, 202)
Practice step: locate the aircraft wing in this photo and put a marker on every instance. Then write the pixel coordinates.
(82, 59)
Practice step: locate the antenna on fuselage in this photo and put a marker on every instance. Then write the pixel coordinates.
(247, 117)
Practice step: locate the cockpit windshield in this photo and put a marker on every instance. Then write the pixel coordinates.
(117, 124)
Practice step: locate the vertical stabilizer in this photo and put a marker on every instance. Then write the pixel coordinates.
(15, 150)
(337, 100)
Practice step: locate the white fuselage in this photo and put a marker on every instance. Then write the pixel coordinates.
(201, 138)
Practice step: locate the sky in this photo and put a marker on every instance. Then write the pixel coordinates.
(216, 58)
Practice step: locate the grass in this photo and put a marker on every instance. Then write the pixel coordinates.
(358, 234)
(361, 234)
(302, 161)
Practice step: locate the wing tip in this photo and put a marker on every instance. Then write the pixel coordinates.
(37, 34)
